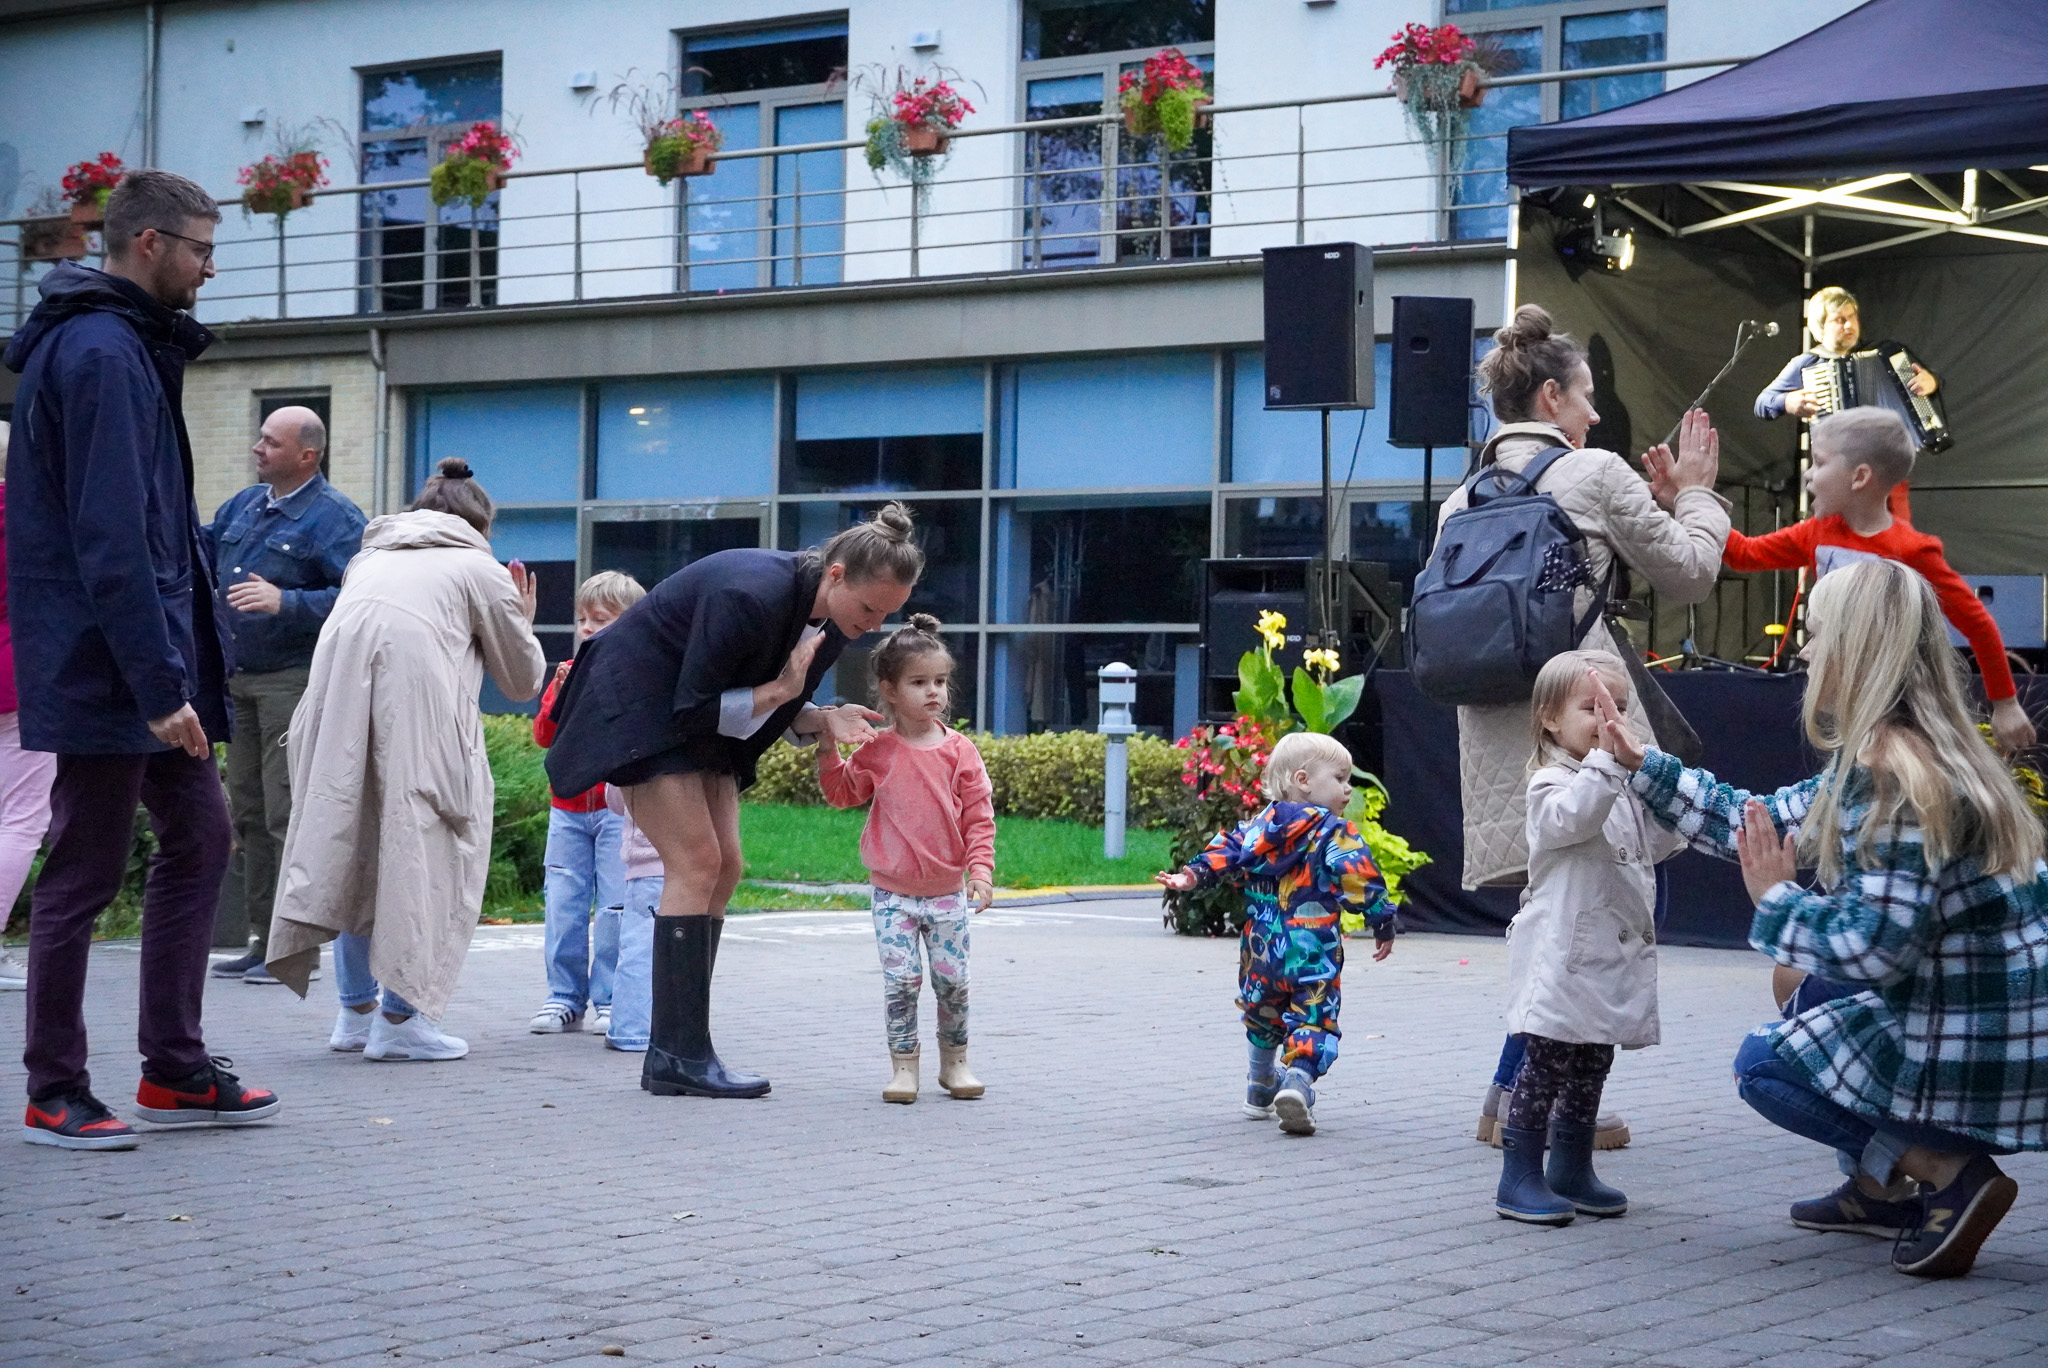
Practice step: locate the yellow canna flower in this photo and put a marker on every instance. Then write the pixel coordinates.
(1324, 660)
(1271, 628)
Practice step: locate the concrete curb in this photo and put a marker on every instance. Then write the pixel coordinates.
(1005, 897)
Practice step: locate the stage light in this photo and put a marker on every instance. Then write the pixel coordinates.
(1775, 629)
(1618, 249)
(1590, 202)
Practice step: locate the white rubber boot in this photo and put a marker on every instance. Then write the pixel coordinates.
(953, 1075)
(903, 1083)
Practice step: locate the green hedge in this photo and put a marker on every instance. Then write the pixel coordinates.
(1048, 774)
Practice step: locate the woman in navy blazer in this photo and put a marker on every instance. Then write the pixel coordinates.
(676, 701)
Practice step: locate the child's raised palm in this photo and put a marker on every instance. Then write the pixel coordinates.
(1180, 881)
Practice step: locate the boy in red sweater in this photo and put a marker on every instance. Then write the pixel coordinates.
(1859, 456)
(585, 876)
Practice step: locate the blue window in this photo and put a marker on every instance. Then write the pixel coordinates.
(416, 256)
(525, 445)
(1480, 178)
(686, 439)
(1617, 39)
(897, 430)
(1117, 420)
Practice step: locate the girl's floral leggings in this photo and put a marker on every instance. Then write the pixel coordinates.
(903, 924)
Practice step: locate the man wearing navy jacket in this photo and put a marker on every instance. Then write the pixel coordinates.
(117, 617)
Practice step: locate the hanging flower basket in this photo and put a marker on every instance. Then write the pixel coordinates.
(910, 131)
(53, 240)
(682, 147)
(87, 185)
(1168, 98)
(474, 168)
(1437, 82)
(280, 184)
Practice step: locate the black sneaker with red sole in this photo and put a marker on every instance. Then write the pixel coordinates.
(210, 1097)
(75, 1119)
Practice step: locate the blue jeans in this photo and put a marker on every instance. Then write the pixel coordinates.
(584, 875)
(353, 983)
(1511, 1052)
(633, 989)
(1784, 1097)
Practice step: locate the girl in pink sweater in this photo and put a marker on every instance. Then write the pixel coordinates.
(931, 828)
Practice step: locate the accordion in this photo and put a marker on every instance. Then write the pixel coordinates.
(1881, 376)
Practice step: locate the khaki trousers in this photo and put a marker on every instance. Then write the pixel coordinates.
(259, 784)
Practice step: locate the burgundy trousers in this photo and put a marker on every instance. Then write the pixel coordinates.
(92, 828)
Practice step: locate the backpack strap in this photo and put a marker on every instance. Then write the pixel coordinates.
(1527, 477)
(1598, 607)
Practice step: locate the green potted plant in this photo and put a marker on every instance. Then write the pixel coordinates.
(475, 167)
(1437, 75)
(283, 182)
(682, 146)
(88, 184)
(1225, 765)
(1166, 99)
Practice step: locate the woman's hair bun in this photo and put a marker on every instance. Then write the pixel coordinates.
(1531, 324)
(893, 521)
(455, 468)
(925, 622)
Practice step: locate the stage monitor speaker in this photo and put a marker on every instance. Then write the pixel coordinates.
(1432, 372)
(1319, 326)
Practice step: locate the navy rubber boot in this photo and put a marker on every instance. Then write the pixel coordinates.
(1523, 1195)
(1571, 1174)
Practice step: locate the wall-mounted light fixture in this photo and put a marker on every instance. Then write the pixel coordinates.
(924, 40)
(582, 80)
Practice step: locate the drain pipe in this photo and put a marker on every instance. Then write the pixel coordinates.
(381, 446)
(152, 23)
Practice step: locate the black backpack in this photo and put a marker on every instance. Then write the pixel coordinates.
(1495, 601)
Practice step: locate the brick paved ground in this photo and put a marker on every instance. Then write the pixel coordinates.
(1104, 1204)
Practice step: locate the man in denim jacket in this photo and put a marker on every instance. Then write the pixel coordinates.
(279, 550)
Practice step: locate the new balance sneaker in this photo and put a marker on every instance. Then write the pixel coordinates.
(1296, 1102)
(414, 1038)
(601, 1020)
(13, 973)
(553, 1018)
(1258, 1097)
(75, 1119)
(1955, 1221)
(238, 966)
(210, 1096)
(1852, 1211)
(351, 1030)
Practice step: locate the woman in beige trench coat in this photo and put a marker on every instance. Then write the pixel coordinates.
(1671, 534)
(390, 837)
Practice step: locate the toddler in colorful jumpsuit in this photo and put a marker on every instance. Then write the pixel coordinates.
(1301, 865)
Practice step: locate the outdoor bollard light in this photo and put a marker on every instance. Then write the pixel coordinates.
(1118, 689)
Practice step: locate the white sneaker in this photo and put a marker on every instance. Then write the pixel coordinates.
(601, 1020)
(413, 1038)
(351, 1030)
(554, 1018)
(13, 973)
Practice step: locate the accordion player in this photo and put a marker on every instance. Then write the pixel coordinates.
(1881, 376)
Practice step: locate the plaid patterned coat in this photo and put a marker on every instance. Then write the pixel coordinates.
(1952, 1030)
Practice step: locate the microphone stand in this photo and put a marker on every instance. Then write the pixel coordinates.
(1746, 332)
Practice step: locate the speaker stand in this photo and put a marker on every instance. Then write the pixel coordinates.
(1326, 600)
(1422, 534)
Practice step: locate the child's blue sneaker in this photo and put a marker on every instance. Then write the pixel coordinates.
(1295, 1102)
(1258, 1097)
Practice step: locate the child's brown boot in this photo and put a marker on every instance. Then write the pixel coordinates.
(903, 1083)
(953, 1075)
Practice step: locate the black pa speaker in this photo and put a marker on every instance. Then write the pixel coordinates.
(1319, 326)
(1432, 372)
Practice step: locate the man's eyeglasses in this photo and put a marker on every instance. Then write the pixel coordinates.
(205, 248)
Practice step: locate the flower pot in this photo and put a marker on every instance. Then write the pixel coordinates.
(88, 214)
(1471, 94)
(923, 141)
(697, 163)
(1202, 103)
(63, 241)
(298, 197)
(1134, 119)
(494, 179)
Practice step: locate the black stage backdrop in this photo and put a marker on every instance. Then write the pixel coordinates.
(1749, 723)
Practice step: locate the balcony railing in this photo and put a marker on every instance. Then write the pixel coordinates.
(1082, 192)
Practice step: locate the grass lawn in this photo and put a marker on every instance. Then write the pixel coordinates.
(822, 845)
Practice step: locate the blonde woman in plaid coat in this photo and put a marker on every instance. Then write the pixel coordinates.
(1932, 913)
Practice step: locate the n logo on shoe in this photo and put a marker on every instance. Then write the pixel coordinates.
(1937, 1220)
(1852, 1208)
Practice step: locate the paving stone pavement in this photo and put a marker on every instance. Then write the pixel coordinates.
(1104, 1204)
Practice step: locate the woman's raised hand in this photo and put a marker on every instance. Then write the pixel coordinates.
(1658, 465)
(528, 585)
(797, 669)
(1615, 737)
(1767, 860)
(1699, 453)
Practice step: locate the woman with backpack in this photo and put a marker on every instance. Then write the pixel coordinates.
(1542, 393)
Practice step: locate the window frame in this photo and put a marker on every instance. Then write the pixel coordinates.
(1110, 66)
(769, 102)
(439, 137)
